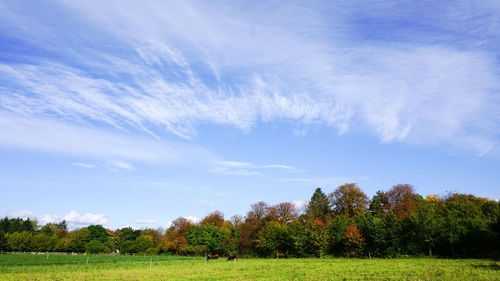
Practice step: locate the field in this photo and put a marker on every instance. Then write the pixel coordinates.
(109, 267)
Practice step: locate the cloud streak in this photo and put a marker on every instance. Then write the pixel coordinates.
(246, 169)
(115, 147)
(182, 65)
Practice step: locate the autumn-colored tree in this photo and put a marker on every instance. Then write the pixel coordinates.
(271, 214)
(181, 225)
(255, 221)
(403, 200)
(433, 199)
(258, 210)
(155, 235)
(354, 241)
(348, 200)
(216, 218)
(174, 242)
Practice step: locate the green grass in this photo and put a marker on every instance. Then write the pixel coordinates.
(107, 267)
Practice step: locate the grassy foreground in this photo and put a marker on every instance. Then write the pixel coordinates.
(103, 267)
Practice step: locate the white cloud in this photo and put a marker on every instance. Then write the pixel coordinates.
(87, 218)
(300, 205)
(24, 214)
(245, 168)
(146, 221)
(123, 165)
(73, 218)
(83, 165)
(193, 219)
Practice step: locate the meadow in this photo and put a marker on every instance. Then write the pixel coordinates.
(113, 267)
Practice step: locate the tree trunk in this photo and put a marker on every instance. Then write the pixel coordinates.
(430, 250)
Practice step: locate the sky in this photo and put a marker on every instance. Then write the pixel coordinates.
(134, 113)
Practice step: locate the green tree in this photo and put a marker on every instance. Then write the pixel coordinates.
(98, 233)
(318, 208)
(427, 224)
(42, 242)
(20, 241)
(336, 236)
(299, 239)
(143, 243)
(3, 241)
(379, 203)
(77, 240)
(275, 239)
(318, 238)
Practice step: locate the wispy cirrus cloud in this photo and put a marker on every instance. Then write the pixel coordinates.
(84, 165)
(112, 147)
(181, 65)
(246, 169)
(324, 180)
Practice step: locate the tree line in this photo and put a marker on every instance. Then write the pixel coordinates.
(345, 222)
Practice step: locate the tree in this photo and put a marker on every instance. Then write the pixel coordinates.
(275, 238)
(143, 243)
(318, 207)
(19, 241)
(299, 239)
(379, 203)
(348, 200)
(216, 218)
(181, 225)
(3, 241)
(258, 210)
(78, 238)
(353, 241)
(286, 212)
(336, 238)
(155, 234)
(403, 200)
(42, 242)
(236, 221)
(96, 247)
(427, 224)
(98, 232)
(318, 238)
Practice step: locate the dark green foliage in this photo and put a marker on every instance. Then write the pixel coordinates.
(16, 225)
(3, 241)
(98, 233)
(336, 230)
(318, 207)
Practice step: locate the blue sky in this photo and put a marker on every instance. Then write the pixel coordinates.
(131, 113)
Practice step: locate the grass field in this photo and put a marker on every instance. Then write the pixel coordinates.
(104, 267)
